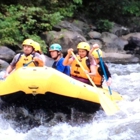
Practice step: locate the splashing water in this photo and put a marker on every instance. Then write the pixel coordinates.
(19, 123)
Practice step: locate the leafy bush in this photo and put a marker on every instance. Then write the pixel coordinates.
(29, 20)
(132, 8)
(18, 23)
(78, 1)
(113, 10)
(104, 25)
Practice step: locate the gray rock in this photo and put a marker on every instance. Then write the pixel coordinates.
(48, 61)
(68, 26)
(108, 37)
(6, 54)
(3, 65)
(94, 34)
(117, 45)
(119, 30)
(67, 39)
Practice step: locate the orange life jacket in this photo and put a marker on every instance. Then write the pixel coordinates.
(76, 70)
(97, 79)
(24, 60)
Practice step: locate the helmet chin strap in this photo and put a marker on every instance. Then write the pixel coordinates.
(57, 56)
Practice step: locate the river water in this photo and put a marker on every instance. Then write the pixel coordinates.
(19, 124)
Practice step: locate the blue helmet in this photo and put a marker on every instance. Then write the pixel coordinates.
(55, 47)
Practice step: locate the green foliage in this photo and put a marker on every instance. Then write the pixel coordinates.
(104, 25)
(132, 8)
(8, 30)
(18, 23)
(22, 19)
(67, 12)
(113, 10)
(78, 1)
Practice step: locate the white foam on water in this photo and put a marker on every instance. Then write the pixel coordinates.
(7, 132)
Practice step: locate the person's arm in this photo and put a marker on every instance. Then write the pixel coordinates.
(67, 60)
(92, 67)
(8, 71)
(92, 60)
(93, 70)
(108, 74)
(109, 79)
(39, 60)
(95, 46)
(11, 67)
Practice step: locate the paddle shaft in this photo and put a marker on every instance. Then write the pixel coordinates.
(25, 65)
(105, 75)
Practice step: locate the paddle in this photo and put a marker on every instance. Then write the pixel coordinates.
(105, 75)
(25, 65)
(109, 107)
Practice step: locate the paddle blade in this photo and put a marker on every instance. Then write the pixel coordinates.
(115, 95)
(109, 106)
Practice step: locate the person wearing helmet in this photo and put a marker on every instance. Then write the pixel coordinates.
(56, 55)
(27, 58)
(76, 71)
(99, 77)
(37, 49)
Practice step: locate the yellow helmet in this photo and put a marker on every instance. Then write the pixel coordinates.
(28, 42)
(36, 46)
(83, 45)
(95, 53)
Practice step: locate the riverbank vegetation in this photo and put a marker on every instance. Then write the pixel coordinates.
(20, 19)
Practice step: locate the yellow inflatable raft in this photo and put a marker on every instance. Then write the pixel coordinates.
(37, 80)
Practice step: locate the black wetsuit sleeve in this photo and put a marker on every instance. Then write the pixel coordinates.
(101, 72)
